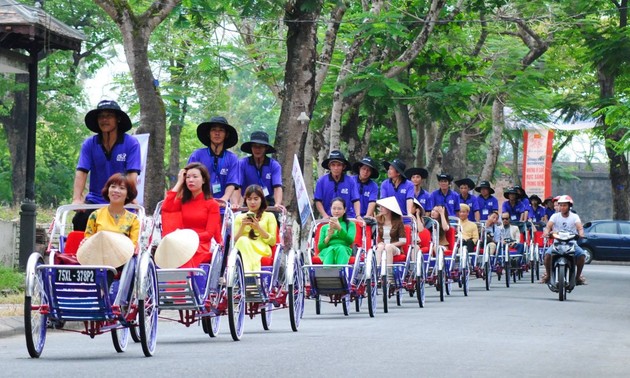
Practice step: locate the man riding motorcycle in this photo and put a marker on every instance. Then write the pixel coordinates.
(565, 220)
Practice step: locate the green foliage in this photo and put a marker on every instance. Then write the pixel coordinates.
(11, 279)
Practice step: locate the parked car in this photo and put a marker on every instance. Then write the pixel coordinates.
(606, 240)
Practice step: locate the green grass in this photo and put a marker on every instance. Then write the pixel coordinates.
(44, 214)
(11, 281)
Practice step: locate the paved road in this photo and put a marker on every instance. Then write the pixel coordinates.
(523, 331)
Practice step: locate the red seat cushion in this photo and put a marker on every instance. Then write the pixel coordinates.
(400, 258)
(72, 242)
(316, 260)
(268, 260)
(425, 238)
(538, 238)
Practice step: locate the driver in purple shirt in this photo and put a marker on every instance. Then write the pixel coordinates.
(465, 186)
(218, 135)
(417, 175)
(110, 151)
(444, 196)
(259, 169)
(487, 202)
(398, 186)
(366, 171)
(337, 184)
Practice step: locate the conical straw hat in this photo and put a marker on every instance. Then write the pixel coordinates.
(391, 204)
(176, 248)
(106, 248)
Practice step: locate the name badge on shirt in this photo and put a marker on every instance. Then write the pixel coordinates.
(265, 191)
(484, 211)
(216, 187)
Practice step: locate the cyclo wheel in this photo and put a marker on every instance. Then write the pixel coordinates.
(385, 288)
(508, 275)
(440, 284)
(465, 277)
(236, 300)
(266, 316)
(120, 338)
(371, 285)
(147, 308)
(345, 304)
(487, 272)
(318, 305)
(35, 298)
(420, 279)
(210, 325)
(296, 296)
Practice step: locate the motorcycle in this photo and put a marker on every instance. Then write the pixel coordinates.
(563, 264)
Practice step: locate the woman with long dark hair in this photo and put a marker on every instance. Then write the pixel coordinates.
(256, 229)
(189, 204)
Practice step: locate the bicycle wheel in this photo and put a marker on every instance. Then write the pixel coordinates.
(296, 297)
(120, 338)
(385, 294)
(440, 284)
(34, 320)
(465, 277)
(236, 300)
(266, 316)
(148, 311)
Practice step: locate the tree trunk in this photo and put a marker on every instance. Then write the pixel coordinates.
(401, 113)
(498, 124)
(455, 158)
(16, 129)
(152, 115)
(299, 92)
(619, 175)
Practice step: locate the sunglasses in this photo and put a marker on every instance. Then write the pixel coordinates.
(505, 218)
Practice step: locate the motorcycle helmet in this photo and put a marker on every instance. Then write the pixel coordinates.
(565, 199)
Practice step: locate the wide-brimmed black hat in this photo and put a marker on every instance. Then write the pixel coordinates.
(417, 171)
(465, 181)
(520, 191)
(535, 197)
(203, 132)
(336, 155)
(91, 118)
(368, 161)
(258, 137)
(548, 199)
(484, 184)
(444, 176)
(398, 165)
(506, 194)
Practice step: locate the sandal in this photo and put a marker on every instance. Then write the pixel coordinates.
(544, 279)
(580, 281)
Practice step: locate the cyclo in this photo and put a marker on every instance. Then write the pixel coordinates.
(56, 293)
(204, 294)
(510, 262)
(437, 260)
(408, 268)
(484, 264)
(342, 283)
(279, 283)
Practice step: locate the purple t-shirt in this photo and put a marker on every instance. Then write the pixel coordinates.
(269, 176)
(424, 197)
(368, 192)
(403, 192)
(514, 211)
(450, 201)
(487, 206)
(327, 189)
(473, 203)
(223, 169)
(124, 158)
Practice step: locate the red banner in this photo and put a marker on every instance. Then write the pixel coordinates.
(537, 153)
